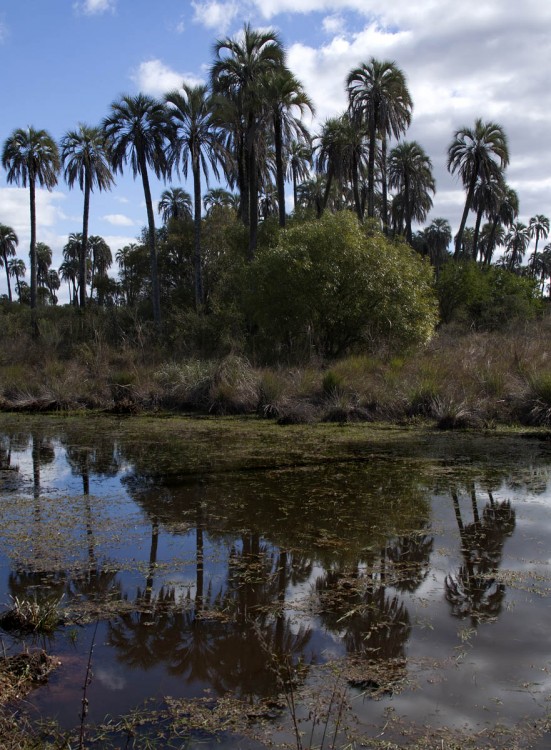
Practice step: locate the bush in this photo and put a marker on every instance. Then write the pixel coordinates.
(486, 298)
(328, 287)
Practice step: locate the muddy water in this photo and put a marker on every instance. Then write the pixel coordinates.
(191, 560)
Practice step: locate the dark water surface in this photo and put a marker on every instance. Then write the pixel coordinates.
(204, 553)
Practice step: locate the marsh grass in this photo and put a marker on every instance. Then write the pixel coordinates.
(32, 615)
(460, 379)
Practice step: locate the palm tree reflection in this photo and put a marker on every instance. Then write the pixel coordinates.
(474, 591)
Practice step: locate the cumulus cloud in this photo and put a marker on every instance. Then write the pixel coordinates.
(333, 24)
(215, 15)
(155, 78)
(94, 7)
(119, 220)
(15, 211)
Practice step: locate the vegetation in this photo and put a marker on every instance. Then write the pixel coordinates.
(344, 277)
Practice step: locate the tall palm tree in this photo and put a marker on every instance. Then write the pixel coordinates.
(379, 101)
(31, 156)
(8, 243)
(505, 215)
(238, 74)
(285, 95)
(84, 156)
(221, 198)
(335, 153)
(138, 131)
(538, 226)
(299, 164)
(516, 243)
(17, 269)
(198, 143)
(487, 197)
(476, 153)
(175, 203)
(410, 172)
(102, 259)
(438, 236)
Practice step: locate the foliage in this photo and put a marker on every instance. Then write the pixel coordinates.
(328, 288)
(486, 298)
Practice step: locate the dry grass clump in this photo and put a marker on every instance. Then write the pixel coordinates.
(234, 387)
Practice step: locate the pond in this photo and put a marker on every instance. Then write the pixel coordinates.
(233, 582)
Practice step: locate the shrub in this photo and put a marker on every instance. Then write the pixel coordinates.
(486, 298)
(328, 288)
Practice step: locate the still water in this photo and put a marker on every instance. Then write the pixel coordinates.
(192, 559)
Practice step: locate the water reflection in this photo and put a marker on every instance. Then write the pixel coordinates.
(213, 580)
(474, 592)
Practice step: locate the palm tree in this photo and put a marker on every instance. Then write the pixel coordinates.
(335, 154)
(516, 243)
(505, 215)
(380, 102)
(538, 226)
(438, 236)
(197, 142)
(220, 198)
(285, 95)
(476, 153)
(238, 74)
(84, 155)
(299, 164)
(8, 243)
(487, 197)
(410, 172)
(17, 269)
(138, 131)
(102, 259)
(175, 203)
(31, 156)
(43, 263)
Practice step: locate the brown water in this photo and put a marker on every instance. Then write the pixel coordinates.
(414, 563)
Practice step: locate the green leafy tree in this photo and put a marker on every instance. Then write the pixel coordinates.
(479, 153)
(84, 156)
(31, 157)
(328, 287)
(380, 102)
(138, 131)
(8, 243)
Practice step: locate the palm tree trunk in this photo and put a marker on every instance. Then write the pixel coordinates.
(34, 277)
(155, 292)
(356, 187)
(459, 235)
(84, 243)
(7, 275)
(476, 233)
(409, 237)
(385, 187)
(371, 174)
(491, 241)
(280, 179)
(253, 199)
(198, 277)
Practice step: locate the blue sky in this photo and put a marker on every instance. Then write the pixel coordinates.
(64, 62)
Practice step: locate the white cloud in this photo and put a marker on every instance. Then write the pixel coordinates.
(119, 220)
(155, 78)
(15, 211)
(215, 15)
(94, 7)
(116, 241)
(333, 24)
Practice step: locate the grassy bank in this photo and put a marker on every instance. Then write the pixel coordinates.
(460, 379)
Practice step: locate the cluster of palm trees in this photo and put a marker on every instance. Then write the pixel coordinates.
(247, 126)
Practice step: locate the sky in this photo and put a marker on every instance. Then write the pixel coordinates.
(64, 62)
